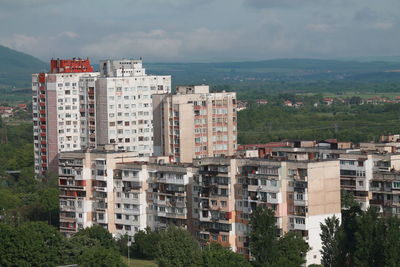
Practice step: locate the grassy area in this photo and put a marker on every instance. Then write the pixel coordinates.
(363, 94)
(139, 263)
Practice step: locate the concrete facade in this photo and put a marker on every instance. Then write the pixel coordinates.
(194, 123)
(124, 105)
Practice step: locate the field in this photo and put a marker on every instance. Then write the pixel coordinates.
(139, 263)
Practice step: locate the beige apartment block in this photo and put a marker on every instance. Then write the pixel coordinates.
(302, 194)
(122, 192)
(385, 192)
(86, 184)
(164, 188)
(194, 123)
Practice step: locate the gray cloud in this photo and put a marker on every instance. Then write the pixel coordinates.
(365, 14)
(201, 30)
(282, 3)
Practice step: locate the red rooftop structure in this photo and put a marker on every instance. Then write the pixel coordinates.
(70, 65)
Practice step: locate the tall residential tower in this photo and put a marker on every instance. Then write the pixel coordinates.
(124, 110)
(194, 123)
(57, 111)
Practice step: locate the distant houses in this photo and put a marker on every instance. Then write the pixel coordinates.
(8, 112)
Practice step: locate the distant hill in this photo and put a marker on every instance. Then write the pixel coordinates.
(277, 70)
(16, 68)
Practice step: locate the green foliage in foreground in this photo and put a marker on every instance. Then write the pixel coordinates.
(362, 239)
(215, 255)
(178, 248)
(39, 244)
(270, 250)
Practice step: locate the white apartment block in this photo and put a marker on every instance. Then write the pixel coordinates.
(57, 109)
(124, 112)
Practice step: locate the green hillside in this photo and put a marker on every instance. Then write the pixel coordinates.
(16, 68)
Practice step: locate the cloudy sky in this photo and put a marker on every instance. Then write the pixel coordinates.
(201, 30)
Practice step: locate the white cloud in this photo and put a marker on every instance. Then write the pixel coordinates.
(155, 43)
(319, 27)
(21, 42)
(162, 45)
(68, 34)
(382, 25)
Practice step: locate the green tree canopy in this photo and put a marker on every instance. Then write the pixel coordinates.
(270, 250)
(100, 234)
(215, 255)
(100, 257)
(178, 248)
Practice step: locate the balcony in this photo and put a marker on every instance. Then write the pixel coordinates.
(376, 201)
(132, 211)
(99, 189)
(67, 208)
(67, 219)
(175, 216)
(204, 219)
(101, 178)
(299, 226)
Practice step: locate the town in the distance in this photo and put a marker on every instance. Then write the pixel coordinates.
(131, 152)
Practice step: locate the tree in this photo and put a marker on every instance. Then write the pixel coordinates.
(269, 250)
(31, 244)
(178, 248)
(292, 250)
(391, 244)
(145, 244)
(329, 239)
(263, 236)
(100, 234)
(347, 199)
(100, 257)
(370, 235)
(215, 255)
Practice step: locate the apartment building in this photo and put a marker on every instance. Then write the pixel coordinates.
(385, 192)
(164, 188)
(194, 123)
(212, 197)
(302, 194)
(86, 184)
(358, 166)
(122, 192)
(214, 201)
(57, 109)
(124, 104)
